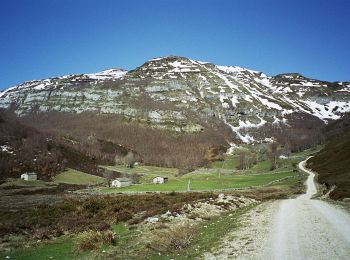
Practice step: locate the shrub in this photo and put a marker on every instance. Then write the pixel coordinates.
(124, 215)
(81, 223)
(90, 240)
(135, 221)
(172, 193)
(94, 205)
(177, 237)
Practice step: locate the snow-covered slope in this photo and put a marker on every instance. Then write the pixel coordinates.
(178, 93)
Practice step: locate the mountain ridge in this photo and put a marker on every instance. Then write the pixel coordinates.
(178, 93)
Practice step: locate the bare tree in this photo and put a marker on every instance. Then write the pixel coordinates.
(130, 159)
(242, 161)
(108, 175)
(274, 154)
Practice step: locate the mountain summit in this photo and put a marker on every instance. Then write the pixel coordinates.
(179, 94)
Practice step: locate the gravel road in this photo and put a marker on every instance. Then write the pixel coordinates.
(301, 228)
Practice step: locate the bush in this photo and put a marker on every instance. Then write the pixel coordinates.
(80, 223)
(172, 193)
(175, 238)
(135, 221)
(124, 215)
(90, 240)
(94, 205)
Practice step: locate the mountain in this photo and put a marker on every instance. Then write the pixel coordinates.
(24, 148)
(332, 162)
(167, 92)
(178, 112)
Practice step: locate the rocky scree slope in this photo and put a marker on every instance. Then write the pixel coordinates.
(180, 94)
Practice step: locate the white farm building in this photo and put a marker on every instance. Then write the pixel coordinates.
(29, 176)
(121, 182)
(160, 180)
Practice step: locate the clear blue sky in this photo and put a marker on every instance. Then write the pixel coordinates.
(43, 38)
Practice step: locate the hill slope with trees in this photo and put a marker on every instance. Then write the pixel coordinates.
(332, 163)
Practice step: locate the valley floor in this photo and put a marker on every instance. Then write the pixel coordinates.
(273, 227)
(300, 228)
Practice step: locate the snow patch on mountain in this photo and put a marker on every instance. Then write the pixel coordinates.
(107, 74)
(329, 110)
(235, 70)
(6, 149)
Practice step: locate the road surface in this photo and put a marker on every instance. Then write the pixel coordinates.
(301, 228)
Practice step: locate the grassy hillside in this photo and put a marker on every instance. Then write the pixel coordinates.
(72, 176)
(333, 162)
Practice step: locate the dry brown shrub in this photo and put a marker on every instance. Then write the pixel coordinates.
(176, 237)
(90, 240)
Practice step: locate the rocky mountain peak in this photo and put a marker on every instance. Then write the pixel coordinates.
(290, 76)
(169, 67)
(179, 93)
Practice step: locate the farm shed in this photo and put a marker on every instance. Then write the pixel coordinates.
(29, 176)
(121, 182)
(160, 180)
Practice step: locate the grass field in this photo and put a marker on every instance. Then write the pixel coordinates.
(72, 176)
(228, 163)
(23, 183)
(147, 172)
(220, 176)
(62, 249)
(207, 181)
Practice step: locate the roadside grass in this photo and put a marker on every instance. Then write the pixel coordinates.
(61, 248)
(125, 248)
(208, 235)
(71, 176)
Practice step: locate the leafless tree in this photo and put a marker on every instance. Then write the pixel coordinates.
(274, 154)
(108, 175)
(130, 159)
(242, 161)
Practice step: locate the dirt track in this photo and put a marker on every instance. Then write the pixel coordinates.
(301, 228)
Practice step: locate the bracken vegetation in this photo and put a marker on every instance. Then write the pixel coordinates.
(97, 213)
(332, 162)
